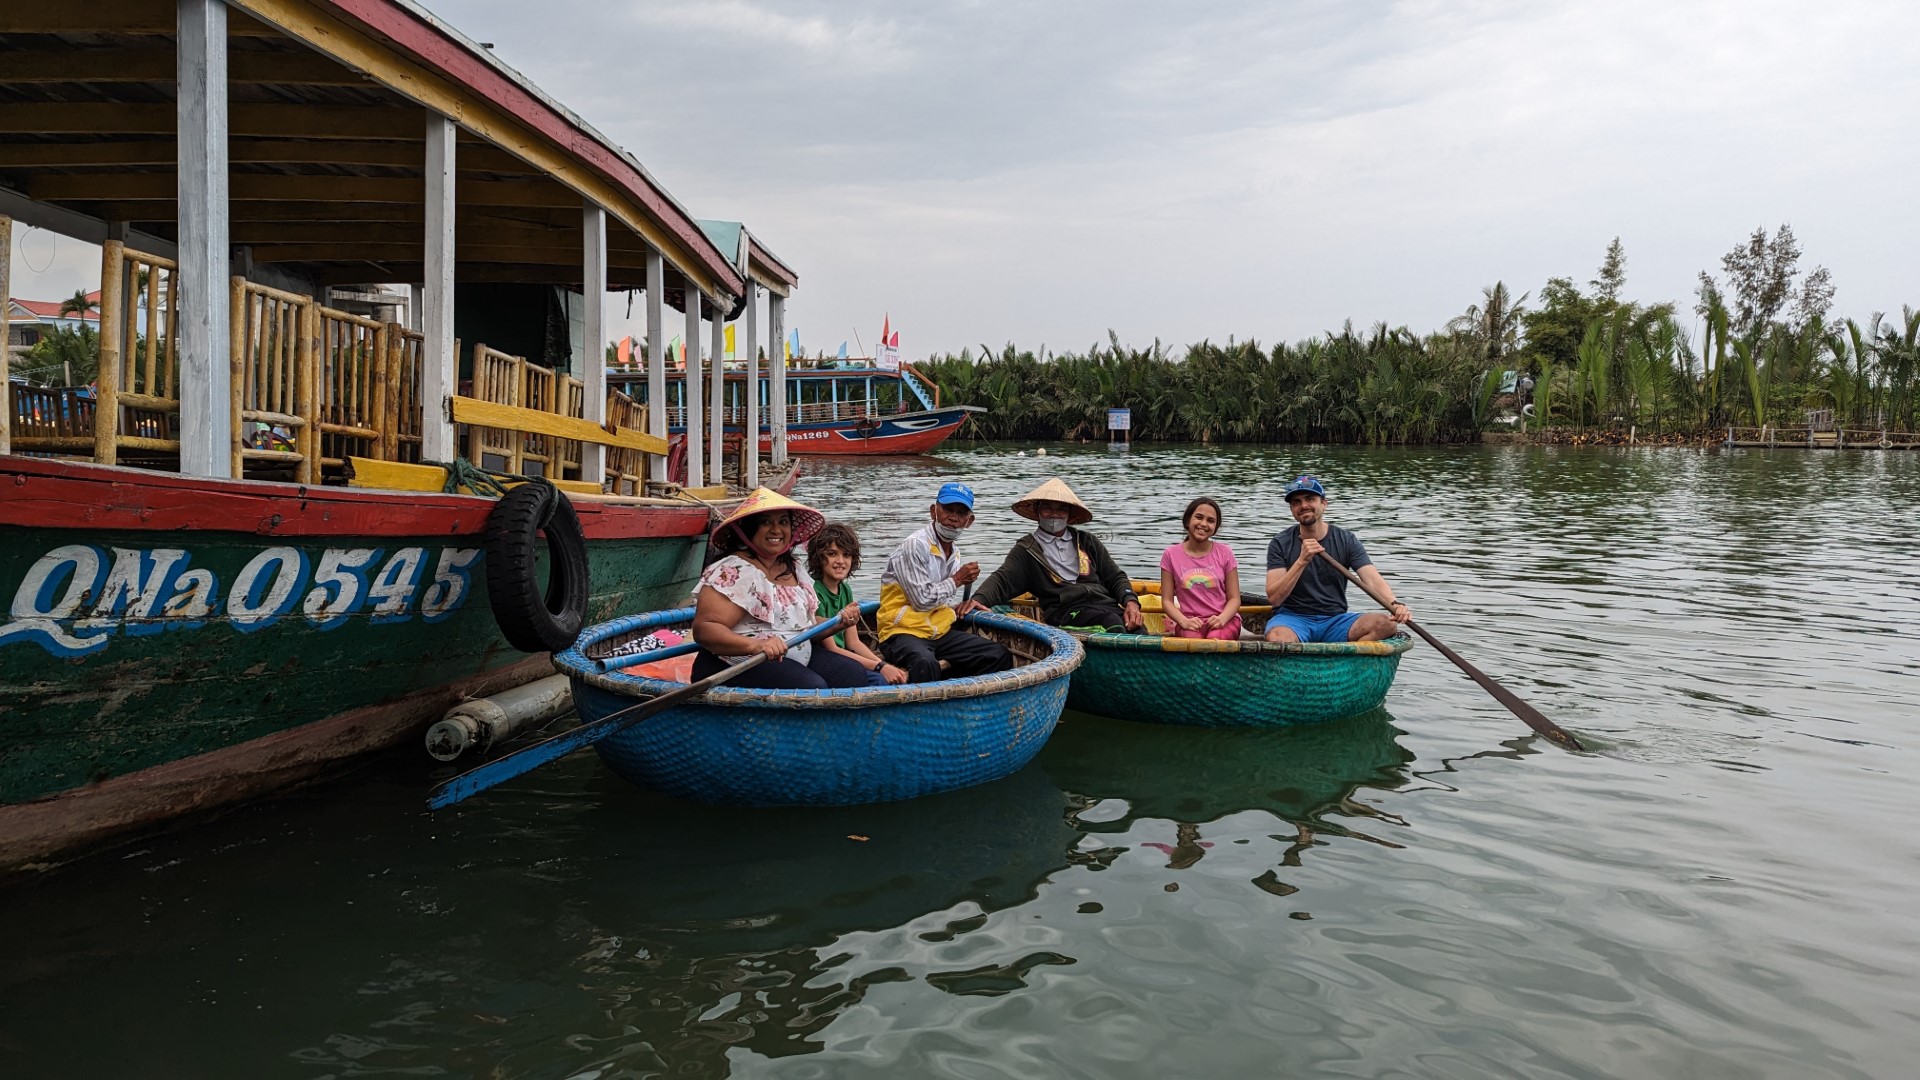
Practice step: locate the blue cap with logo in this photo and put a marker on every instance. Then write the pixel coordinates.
(1304, 485)
(955, 492)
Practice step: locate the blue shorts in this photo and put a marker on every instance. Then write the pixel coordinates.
(1315, 627)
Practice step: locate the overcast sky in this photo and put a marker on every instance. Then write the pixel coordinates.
(1040, 172)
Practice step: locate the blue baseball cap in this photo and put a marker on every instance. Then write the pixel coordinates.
(1304, 485)
(955, 492)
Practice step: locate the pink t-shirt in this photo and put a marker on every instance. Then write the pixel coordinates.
(1200, 585)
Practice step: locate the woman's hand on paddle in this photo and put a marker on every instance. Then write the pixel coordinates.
(774, 648)
(849, 615)
(1400, 612)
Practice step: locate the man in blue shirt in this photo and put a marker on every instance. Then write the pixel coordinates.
(1309, 597)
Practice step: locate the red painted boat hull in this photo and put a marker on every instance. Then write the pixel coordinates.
(908, 433)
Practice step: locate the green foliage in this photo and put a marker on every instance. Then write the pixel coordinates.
(1383, 386)
(58, 352)
(1555, 327)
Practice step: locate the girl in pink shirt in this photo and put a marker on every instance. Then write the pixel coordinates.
(1199, 579)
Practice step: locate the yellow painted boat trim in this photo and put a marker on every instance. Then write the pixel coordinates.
(467, 410)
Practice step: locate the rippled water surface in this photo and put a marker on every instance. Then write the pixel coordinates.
(1723, 887)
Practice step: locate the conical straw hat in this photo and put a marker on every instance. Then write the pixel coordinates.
(806, 520)
(1054, 490)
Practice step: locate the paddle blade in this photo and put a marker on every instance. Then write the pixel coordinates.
(1533, 717)
(519, 763)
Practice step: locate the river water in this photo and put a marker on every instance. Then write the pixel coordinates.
(1722, 887)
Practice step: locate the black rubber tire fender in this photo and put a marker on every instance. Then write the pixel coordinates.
(531, 620)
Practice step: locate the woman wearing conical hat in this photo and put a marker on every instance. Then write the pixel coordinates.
(759, 595)
(1067, 569)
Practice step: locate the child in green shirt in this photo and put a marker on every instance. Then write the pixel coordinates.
(833, 554)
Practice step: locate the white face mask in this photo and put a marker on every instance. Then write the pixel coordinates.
(946, 532)
(1054, 525)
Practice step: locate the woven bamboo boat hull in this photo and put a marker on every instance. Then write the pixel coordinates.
(1232, 683)
(828, 747)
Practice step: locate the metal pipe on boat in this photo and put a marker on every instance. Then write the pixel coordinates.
(484, 722)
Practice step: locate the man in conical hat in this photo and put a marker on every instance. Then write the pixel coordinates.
(1067, 569)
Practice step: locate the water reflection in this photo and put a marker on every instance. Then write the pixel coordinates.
(1198, 775)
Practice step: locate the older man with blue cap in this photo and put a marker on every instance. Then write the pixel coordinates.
(922, 583)
(1309, 597)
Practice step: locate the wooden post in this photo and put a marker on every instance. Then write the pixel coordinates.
(716, 420)
(777, 385)
(106, 394)
(307, 359)
(6, 346)
(201, 301)
(656, 360)
(593, 372)
(439, 356)
(750, 428)
(696, 449)
(239, 316)
(384, 390)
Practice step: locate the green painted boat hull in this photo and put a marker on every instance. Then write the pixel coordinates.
(137, 689)
(1242, 684)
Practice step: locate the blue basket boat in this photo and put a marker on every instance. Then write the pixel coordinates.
(827, 747)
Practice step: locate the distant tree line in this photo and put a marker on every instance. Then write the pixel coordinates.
(1765, 351)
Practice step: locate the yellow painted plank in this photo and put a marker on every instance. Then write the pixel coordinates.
(712, 491)
(576, 487)
(394, 475)
(468, 410)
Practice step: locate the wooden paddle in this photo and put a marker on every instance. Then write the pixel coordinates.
(523, 761)
(1521, 709)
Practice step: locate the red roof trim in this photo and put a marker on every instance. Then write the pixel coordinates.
(53, 494)
(437, 49)
(773, 267)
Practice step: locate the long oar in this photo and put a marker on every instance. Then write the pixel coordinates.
(520, 762)
(1521, 709)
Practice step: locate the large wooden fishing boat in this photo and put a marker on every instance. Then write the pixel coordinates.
(826, 747)
(253, 547)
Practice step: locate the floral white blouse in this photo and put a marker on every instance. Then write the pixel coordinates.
(782, 610)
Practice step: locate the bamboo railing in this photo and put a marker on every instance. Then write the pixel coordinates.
(275, 351)
(626, 469)
(355, 367)
(311, 388)
(137, 400)
(401, 425)
(500, 378)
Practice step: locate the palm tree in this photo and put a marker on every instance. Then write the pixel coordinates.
(1495, 326)
(78, 304)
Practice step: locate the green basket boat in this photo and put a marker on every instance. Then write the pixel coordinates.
(1205, 683)
(1199, 682)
